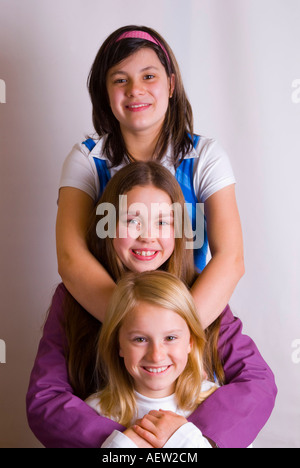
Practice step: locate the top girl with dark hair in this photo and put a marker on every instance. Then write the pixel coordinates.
(141, 113)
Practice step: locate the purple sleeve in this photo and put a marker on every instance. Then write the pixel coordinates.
(234, 415)
(55, 415)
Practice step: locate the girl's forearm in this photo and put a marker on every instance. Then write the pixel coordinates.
(88, 282)
(84, 277)
(215, 285)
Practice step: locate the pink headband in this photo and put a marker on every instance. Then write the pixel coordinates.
(142, 35)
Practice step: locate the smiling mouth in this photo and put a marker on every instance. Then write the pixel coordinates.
(156, 370)
(145, 254)
(137, 107)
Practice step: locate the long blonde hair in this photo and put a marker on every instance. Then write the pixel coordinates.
(117, 398)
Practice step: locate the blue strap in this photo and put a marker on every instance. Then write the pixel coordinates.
(89, 143)
(103, 174)
(184, 175)
(101, 166)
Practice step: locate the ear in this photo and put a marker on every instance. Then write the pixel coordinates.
(121, 354)
(172, 85)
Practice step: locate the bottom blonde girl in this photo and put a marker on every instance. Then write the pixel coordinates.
(119, 338)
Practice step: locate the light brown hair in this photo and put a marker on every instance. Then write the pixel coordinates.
(81, 327)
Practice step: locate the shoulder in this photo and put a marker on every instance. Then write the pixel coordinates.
(90, 147)
(212, 167)
(56, 307)
(79, 169)
(83, 152)
(94, 402)
(207, 385)
(205, 147)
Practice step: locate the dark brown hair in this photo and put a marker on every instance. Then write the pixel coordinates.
(178, 123)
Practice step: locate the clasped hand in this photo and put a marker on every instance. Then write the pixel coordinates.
(155, 428)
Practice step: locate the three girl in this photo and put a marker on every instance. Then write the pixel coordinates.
(141, 113)
(56, 412)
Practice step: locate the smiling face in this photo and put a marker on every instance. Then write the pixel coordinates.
(145, 231)
(139, 90)
(155, 343)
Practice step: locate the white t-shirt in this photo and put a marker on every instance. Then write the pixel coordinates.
(212, 168)
(187, 436)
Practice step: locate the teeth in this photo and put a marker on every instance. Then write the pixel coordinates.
(145, 253)
(156, 370)
(138, 105)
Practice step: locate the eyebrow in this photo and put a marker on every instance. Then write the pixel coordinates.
(121, 72)
(166, 214)
(160, 213)
(167, 332)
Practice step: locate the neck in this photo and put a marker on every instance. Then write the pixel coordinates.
(141, 146)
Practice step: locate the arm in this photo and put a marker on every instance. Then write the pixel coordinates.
(214, 287)
(188, 436)
(55, 415)
(81, 273)
(234, 414)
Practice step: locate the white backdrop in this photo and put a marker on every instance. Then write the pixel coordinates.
(240, 61)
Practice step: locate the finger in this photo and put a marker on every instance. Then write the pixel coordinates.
(149, 422)
(156, 413)
(147, 436)
(152, 417)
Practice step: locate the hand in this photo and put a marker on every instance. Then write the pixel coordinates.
(158, 426)
(139, 441)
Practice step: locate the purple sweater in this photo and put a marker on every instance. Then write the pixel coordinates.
(232, 416)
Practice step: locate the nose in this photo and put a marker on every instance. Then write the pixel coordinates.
(134, 88)
(156, 353)
(147, 233)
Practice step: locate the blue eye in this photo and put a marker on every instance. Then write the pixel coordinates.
(134, 222)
